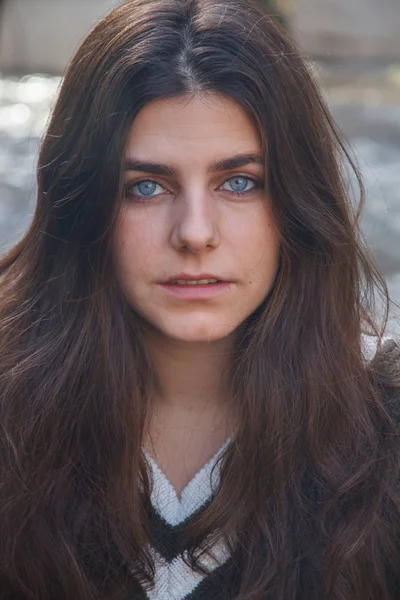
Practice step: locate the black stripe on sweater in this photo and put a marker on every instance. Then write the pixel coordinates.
(219, 585)
(170, 541)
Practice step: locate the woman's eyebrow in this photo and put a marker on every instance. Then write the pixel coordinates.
(227, 164)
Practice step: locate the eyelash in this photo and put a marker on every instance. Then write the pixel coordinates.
(257, 185)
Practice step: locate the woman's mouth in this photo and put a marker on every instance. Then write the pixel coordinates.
(200, 288)
(194, 281)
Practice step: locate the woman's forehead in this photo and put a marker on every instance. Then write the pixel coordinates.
(214, 126)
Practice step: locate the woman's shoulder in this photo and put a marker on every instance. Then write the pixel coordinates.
(387, 351)
(384, 362)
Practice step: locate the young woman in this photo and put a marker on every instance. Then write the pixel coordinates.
(190, 405)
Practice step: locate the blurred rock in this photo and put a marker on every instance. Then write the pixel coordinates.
(331, 29)
(42, 35)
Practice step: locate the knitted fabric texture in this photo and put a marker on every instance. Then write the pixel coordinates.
(174, 579)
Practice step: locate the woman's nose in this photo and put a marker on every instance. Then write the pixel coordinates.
(195, 225)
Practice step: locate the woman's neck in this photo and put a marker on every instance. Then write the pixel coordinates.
(190, 413)
(189, 376)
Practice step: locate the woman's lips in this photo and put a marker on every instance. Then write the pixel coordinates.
(197, 291)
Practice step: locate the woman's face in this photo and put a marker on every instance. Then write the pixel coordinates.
(195, 209)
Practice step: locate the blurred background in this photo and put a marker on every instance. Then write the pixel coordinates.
(352, 45)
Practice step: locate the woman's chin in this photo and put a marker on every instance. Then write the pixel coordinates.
(197, 332)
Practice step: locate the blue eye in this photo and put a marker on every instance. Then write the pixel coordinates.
(239, 184)
(147, 188)
(144, 188)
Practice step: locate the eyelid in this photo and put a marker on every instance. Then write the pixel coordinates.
(252, 178)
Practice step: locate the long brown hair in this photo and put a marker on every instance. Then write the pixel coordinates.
(315, 513)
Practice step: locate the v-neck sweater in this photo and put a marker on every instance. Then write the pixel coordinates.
(171, 515)
(174, 579)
